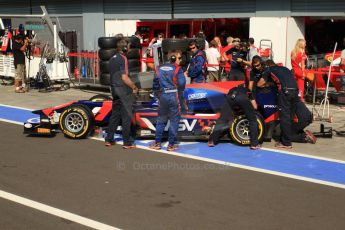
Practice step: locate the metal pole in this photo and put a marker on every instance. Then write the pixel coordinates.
(326, 101)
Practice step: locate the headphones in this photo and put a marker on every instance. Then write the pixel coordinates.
(173, 58)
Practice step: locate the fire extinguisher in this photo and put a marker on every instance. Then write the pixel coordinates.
(76, 73)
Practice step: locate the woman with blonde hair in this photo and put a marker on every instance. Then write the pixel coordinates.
(298, 59)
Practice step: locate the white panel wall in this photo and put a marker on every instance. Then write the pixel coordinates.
(282, 31)
(126, 27)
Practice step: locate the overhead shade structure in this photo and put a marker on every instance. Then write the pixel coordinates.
(214, 9)
(318, 8)
(137, 9)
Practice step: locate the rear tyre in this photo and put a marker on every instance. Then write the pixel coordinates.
(239, 130)
(76, 121)
(170, 44)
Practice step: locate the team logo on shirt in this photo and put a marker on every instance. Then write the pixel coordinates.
(166, 68)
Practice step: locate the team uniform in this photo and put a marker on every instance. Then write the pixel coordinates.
(197, 67)
(289, 105)
(168, 82)
(237, 97)
(237, 72)
(123, 100)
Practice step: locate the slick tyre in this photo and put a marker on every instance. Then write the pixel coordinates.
(239, 130)
(100, 97)
(104, 79)
(106, 54)
(170, 44)
(76, 121)
(104, 66)
(107, 42)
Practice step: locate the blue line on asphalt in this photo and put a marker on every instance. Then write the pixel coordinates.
(15, 114)
(263, 159)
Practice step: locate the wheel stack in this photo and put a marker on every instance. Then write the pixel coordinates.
(107, 50)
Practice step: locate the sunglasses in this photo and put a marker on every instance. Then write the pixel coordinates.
(179, 58)
(192, 48)
(257, 65)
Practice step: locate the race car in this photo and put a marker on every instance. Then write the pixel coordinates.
(78, 119)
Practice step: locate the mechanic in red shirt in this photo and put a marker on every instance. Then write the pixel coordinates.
(298, 59)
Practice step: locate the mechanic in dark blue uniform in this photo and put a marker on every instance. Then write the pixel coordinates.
(238, 59)
(123, 90)
(237, 97)
(168, 81)
(197, 64)
(289, 104)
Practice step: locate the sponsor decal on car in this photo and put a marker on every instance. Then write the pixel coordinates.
(195, 96)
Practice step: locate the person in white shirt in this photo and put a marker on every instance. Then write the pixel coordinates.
(213, 57)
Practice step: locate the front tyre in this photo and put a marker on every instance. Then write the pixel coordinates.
(76, 121)
(239, 130)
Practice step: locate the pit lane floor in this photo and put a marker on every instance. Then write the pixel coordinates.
(142, 189)
(33, 99)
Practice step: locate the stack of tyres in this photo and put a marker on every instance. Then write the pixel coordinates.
(107, 50)
(171, 44)
(133, 57)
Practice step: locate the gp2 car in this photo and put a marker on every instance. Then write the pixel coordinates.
(78, 119)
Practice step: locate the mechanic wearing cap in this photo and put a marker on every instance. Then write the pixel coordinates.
(237, 97)
(289, 104)
(197, 64)
(122, 89)
(168, 81)
(19, 47)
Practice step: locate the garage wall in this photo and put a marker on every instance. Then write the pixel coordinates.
(283, 32)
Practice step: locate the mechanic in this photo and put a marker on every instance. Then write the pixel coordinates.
(122, 89)
(19, 48)
(237, 97)
(197, 64)
(289, 104)
(168, 81)
(258, 66)
(298, 59)
(237, 57)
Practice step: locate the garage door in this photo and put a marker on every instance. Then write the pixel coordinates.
(137, 9)
(317, 8)
(60, 7)
(214, 8)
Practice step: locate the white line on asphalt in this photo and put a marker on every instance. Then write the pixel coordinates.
(16, 107)
(304, 155)
(252, 168)
(13, 122)
(56, 212)
(248, 168)
(239, 166)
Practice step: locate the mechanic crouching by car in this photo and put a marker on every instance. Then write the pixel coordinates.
(237, 97)
(197, 64)
(289, 104)
(123, 90)
(168, 81)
